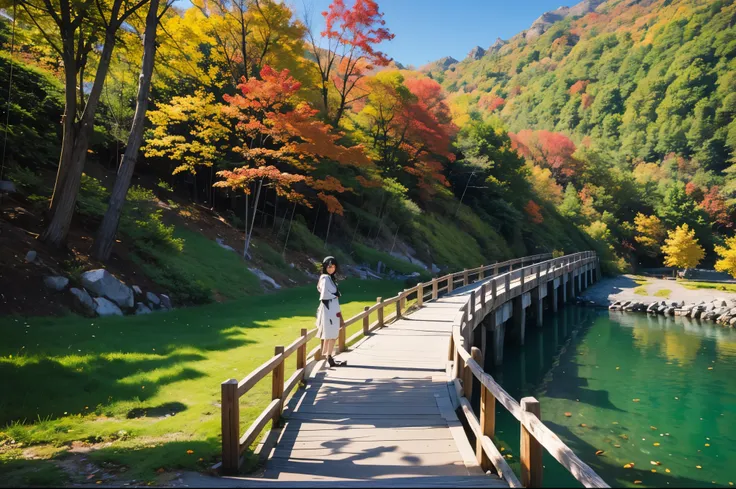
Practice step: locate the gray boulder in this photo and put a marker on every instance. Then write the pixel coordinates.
(83, 302)
(104, 284)
(141, 308)
(222, 244)
(56, 282)
(165, 301)
(137, 290)
(104, 307)
(153, 299)
(732, 322)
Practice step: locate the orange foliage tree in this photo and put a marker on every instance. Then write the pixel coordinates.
(284, 144)
(534, 211)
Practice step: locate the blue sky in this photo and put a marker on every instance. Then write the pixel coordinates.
(427, 30)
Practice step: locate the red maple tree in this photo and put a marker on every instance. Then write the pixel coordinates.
(534, 211)
(715, 206)
(547, 149)
(352, 36)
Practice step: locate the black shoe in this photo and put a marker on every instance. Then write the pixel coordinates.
(331, 361)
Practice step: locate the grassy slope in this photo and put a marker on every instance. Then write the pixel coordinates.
(92, 377)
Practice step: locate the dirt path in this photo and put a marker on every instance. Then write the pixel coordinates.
(632, 288)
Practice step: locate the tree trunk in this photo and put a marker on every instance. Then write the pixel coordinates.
(253, 220)
(74, 148)
(109, 226)
(288, 232)
(395, 236)
(329, 223)
(316, 218)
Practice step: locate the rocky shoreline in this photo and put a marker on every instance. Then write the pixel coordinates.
(720, 311)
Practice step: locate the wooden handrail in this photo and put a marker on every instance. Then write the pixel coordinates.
(233, 445)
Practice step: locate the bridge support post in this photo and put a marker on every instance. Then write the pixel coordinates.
(531, 449)
(563, 286)
(538, 298)
(481, 272)
(499, 332)
(520, 317)
(450, 282)
(552, 295)
(585, 278)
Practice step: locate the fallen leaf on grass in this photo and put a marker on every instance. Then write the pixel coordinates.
(567, 415)
(583, 425)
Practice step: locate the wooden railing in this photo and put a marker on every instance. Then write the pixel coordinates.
(469, 365)
(233, 444)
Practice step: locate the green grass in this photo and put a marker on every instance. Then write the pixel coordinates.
(641, 291)
(707, 285)
(115, 379)
(365, 254)
(663, 293)
(190, 277)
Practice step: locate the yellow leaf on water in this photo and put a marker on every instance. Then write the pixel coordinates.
(655, 463)
(698, 467)
(189, 452)
(656, 444)
(653, 428)
(502, 449)
(667, 470)
(654, 471)
(637, 482)
(583, 425)
(710, 368)
(617, 446)
(707, 444)
(599, 452)
(568, 415)
(629, 466)
(635, 400)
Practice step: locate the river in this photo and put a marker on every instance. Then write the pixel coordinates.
(657, 395)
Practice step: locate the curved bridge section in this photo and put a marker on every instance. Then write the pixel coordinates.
(390, 418)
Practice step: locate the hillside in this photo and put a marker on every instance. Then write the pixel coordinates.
(649, 87)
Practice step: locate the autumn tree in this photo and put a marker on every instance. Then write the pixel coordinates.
(727, 254)
(651, 233)
(549, 150)
(715, 206)
(681, 248)
(283, 144)
(408, 126)
(82, 34)
(534, 212)
(351, 35)
(544, 184)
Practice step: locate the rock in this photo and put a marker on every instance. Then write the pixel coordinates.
(7, 187)
(497, 45)
(141, 308)
(625, 304)
(31, 256)
(435, 268)
(476, 53)
(446, 62)
(732, 322)
(104, 284)
(166, 301)
(653, 307)
(104, 307)
(153, 299)
(265, 278)
(614, 306)
(56, 282)
(137, 290)
(83, 302)
(222, 244)
(724, 303)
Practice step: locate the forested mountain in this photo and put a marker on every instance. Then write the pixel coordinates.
(629, 104)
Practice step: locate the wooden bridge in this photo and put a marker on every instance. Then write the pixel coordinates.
(390, 418)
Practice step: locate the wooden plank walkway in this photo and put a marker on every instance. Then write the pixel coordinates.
(387, 416)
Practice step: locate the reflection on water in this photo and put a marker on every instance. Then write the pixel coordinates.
(656, 394)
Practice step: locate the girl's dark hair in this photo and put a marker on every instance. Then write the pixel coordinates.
(330, 260)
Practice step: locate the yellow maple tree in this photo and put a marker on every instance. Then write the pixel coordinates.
(681, 248)
(727, 253)
(650, 233)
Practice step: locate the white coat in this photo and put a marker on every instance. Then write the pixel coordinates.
(328, 316)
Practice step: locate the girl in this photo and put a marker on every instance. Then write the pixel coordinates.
(329, 317)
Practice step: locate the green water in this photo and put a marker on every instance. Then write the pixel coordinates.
(647, 390)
